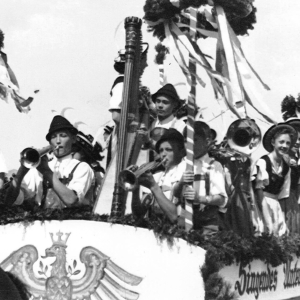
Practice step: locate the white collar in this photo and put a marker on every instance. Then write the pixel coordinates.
(165, 121)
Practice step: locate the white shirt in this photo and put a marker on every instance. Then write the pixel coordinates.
(32, 184)
(169, 122)
(116, 98)
(216, 177)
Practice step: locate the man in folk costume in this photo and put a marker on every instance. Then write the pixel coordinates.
(167, 103)
(61, 182)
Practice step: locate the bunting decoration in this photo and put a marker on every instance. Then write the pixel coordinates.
(233, 79)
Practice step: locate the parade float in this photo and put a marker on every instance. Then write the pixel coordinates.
(109, 254)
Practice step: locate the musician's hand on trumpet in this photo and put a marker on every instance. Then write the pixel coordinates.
(147, 180)
(43, 166)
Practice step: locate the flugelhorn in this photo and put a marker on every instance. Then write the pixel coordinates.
(31, 157)
(128, 178)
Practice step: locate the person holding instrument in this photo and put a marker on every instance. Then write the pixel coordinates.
(163, 184)
(208, 192)
(61, 182)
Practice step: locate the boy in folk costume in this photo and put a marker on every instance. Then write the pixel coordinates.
(166, 102)
(210, 203)
(273, 178)
(62, 182)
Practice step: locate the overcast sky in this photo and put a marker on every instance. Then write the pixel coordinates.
(65, 48)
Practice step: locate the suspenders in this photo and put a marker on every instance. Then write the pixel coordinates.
(64, 180)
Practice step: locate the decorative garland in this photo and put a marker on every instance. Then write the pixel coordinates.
(241, 14)
(223, 249)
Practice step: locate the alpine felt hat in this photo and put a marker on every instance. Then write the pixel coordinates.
(167, 90)
(171, 134)
(268, 136)
(60, 123)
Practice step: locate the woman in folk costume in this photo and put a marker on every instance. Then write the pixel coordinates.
(273, 178)
(160, 197)
(291, 207)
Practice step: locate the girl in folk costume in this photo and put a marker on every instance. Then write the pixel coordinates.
(162, 185)
(273, 178)
(291, 207)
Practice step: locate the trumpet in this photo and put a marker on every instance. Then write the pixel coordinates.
(31, 157)
(128, 178)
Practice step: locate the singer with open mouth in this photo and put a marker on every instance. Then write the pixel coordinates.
(61, 182)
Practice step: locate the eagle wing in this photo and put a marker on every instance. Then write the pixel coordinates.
(20, 263)
(99, 278)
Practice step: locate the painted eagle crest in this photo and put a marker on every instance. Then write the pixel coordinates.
(102, 280)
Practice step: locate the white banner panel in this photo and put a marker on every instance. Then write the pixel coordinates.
(261, 281)
(84, 259)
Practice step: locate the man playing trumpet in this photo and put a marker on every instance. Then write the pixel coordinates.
(61, 182)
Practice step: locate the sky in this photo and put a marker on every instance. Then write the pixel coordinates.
(66, 48)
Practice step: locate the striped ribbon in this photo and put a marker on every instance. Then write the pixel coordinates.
(161, 75)
(190, 121)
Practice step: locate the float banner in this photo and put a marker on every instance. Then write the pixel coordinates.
(97, 260)
(259, 281)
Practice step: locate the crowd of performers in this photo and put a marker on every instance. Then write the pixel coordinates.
(227, 189)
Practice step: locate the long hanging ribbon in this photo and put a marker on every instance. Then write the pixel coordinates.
(231, 67)
(249, 78)
(183, 39)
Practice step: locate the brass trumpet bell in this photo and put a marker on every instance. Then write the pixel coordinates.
(244, 136)
(31, 157)
(128, 178)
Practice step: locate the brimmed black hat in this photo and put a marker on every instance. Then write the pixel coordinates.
(171, 135)
(85, 142)
(167, 90)
(60, 123)
(294, 122)
(268, 136)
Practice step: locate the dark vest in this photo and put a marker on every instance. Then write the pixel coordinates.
(275, 181)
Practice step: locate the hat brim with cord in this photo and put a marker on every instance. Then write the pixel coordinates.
(60, 123)
(268, 136)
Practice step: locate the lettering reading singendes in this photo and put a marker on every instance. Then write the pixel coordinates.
(256, 282)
